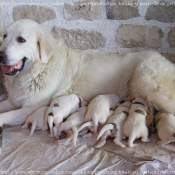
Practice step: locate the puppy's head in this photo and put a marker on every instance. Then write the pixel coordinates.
(24, 43)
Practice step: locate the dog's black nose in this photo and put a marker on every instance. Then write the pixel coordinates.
(2, 56)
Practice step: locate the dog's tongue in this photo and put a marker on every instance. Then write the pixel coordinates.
(9, 69)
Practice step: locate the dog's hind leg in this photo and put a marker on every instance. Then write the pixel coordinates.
(32, 129)
(50, 122)
(145, 136)
(102, 141)
(131, 139)
(25, 126)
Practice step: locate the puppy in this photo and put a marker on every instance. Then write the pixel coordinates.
(135, 125)
(165, 125)
(36, 119)
(70, 125)
(99, 110)
(114, 126)
(59, 109)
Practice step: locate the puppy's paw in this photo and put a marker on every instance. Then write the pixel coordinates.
(146, 140)
(44, 128)
(51, 135)
(58, 142)
(24, 126)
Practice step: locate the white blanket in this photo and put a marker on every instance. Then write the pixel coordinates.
(39, 154)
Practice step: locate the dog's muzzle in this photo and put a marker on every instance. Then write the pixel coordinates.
(13, 69)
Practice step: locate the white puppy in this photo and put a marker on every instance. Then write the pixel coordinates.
(99, 110)
(70, 125)
(165, 125)
(59, 109)
(135, 125)
(36, 119)
(114, 126)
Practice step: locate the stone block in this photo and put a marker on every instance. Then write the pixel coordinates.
(171, 37)
(37, 13)
(80, 39)
(131, 36)
(162, 13)
(169, 56)
(120, 10)
(88, 10)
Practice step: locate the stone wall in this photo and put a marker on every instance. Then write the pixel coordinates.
(106, 26)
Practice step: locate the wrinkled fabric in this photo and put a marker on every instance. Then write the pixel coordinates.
(38, 154)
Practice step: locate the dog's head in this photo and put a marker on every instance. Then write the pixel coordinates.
(24, 42)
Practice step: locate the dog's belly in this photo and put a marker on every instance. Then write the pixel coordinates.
(109, 74)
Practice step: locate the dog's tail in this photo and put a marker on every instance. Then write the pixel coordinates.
(32, 129)
(104, 129)
(75, 135)
(87, 124)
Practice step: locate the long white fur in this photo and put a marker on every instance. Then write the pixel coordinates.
(135, 125)
(52, 69)
(36, 119)
(165, 125)
(61, 108)
(99, 111)
(73, 122)
(118, 119)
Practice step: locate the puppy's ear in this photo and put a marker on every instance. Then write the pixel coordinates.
(45, 50)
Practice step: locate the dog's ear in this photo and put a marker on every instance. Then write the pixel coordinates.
(45, 50)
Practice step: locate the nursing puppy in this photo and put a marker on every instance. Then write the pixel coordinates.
(135, 125)
(165, 125)
(36, 119)
(114, 126)
(59, 109)
(70, 126)
(99, 111)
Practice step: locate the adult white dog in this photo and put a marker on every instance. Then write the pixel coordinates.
(39, 68)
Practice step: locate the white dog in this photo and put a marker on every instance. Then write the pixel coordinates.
(114, 126)
(38, 69)
(135, 125)
(60, 109)
(165, 125)
(99, 111)
(70, 126)
(36, 119)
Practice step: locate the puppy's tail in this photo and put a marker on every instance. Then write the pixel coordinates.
(87, 124)
(75, 135)
(104, 129)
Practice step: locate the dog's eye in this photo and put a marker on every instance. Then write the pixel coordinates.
(21, 39)
(5, 36)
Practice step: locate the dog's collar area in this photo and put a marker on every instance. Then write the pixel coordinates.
(138, 102)
(13, 70)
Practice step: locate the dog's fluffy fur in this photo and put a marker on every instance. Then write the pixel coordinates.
(36, 119)
(114, 126)
(59, 109)
(52, 69)
(72, 123)
(135, 125)
(99, 111)
(165, 125)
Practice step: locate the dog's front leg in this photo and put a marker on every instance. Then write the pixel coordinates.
(15, 117)
(6, 105)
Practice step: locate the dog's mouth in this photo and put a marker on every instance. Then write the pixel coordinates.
(13, 70)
